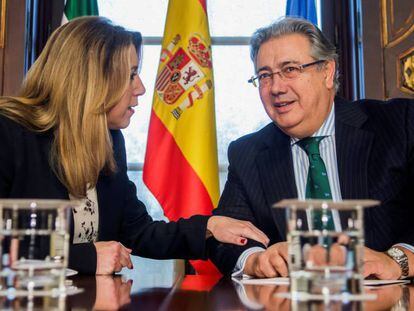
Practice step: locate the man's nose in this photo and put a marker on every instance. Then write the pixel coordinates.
(278, 84)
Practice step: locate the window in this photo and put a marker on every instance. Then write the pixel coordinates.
(231, 25)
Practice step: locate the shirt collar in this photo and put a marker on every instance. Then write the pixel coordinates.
(327, 128)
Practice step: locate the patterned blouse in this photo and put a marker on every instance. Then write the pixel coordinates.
(86, 218)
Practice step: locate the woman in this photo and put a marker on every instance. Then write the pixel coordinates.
(61, 139)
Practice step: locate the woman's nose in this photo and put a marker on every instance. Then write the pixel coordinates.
(139, 88)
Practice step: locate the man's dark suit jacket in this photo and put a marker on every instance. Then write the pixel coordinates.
(25, 173)
(375, 154)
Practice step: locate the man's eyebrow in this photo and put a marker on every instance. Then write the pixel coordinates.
(267, 68)
(288, 62)
(280, 65)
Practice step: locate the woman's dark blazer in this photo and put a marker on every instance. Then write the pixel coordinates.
(25, 173)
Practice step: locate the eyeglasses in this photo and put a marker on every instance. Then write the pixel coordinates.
(288, 72)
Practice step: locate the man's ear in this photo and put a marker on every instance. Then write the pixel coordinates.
(330, 68)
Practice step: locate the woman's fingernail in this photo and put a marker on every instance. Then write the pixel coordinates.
(243, 241)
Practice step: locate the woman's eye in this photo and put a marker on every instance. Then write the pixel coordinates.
(133, 74)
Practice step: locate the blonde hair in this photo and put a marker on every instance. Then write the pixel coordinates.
(80, 75)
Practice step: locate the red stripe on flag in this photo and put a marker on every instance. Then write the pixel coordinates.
(170, 177)
(203, 4)
(163, 79)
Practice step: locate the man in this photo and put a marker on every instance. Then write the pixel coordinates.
(366, 146)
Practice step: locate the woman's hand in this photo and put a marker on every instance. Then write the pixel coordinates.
(112, 292)
(229, 230)
(111, 257)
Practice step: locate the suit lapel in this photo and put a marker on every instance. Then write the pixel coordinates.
(274, 163)
(353, 147)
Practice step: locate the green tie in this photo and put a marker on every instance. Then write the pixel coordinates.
(317, 185)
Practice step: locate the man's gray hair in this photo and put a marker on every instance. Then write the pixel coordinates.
(321, 48)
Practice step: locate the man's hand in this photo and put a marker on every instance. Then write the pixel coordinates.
(317, 255)
(111, 257)
(267, 296)
(269, 263)
(229, 230)
(387, 297)
(380, 265)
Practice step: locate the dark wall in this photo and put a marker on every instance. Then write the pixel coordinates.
(12, 55)
(28, 25)
(388, 38)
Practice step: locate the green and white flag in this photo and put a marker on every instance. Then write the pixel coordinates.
(76, 8)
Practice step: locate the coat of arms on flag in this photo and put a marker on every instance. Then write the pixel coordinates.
(182, 71)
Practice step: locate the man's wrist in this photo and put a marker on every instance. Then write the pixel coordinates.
(250, 264)
(398, 255)
(241, 261)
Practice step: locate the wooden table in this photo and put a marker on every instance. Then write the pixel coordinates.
(162, 285)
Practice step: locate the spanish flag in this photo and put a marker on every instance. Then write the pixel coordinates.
(181, 167)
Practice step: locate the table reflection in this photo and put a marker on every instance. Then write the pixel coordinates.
(265, 297)
(112, 292)
(104, 292)
(144, 287)
(162, 285)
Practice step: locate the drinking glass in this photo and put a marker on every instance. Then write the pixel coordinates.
(34, 236)
(325, 261)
